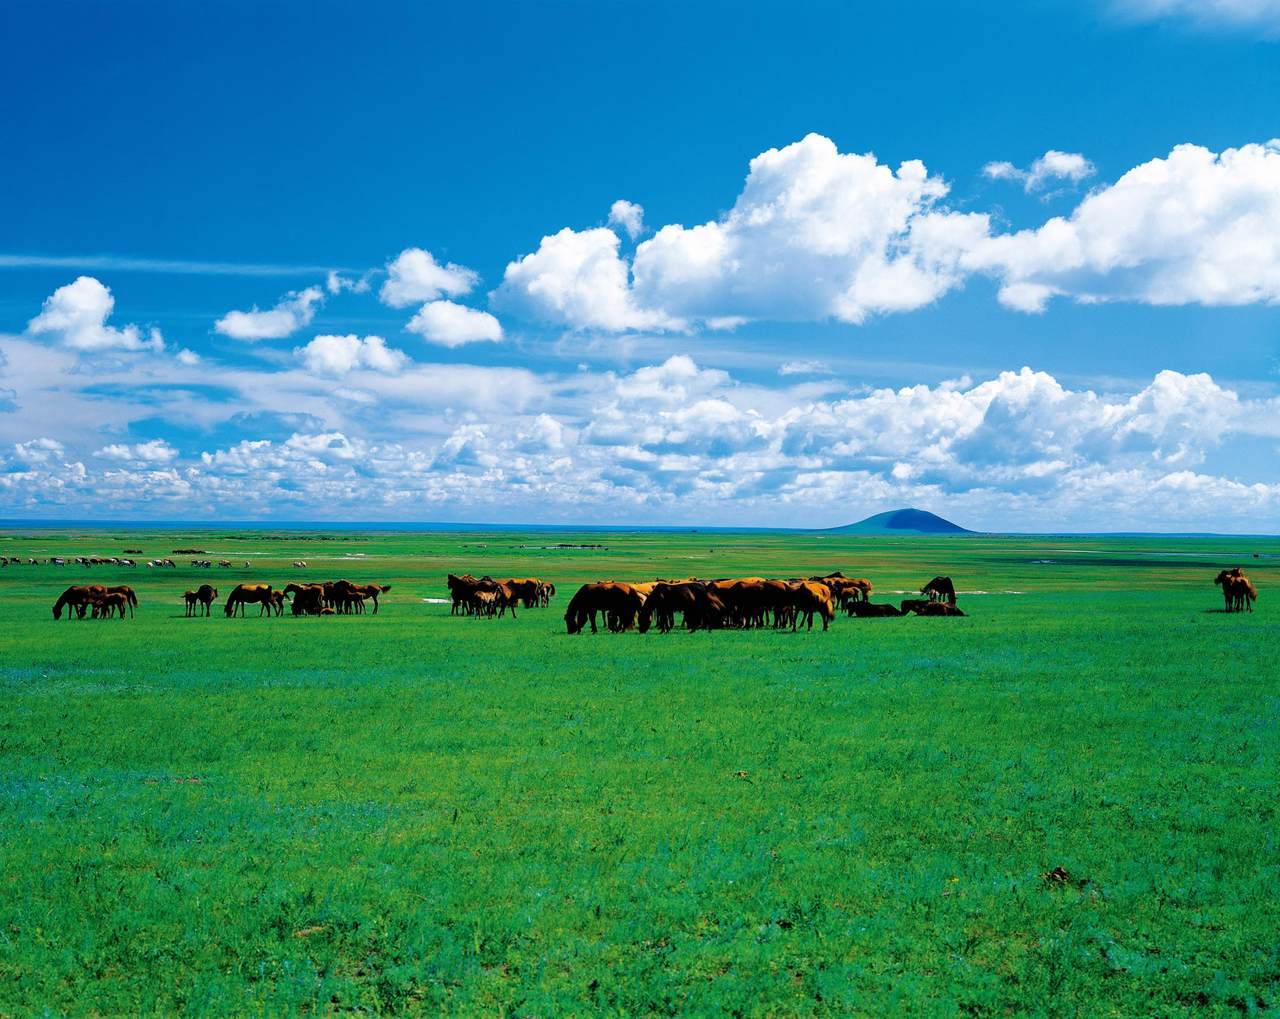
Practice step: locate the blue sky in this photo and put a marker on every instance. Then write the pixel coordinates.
(652, 263)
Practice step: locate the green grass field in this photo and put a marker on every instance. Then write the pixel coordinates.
(413, 813)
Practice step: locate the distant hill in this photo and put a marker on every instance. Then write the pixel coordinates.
(902, 521)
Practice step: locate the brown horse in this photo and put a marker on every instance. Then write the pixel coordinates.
(1238, 591)
(938, 608)
(130, 598)
(619, 603)
(809, 597)
(940, 589)
(308, 599)
(109, 604)
(76, 599)
(259, 594)
(700, 607)
(201, 598)
(358, 592)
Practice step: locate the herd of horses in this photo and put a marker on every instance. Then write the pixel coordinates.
(488, 598)
(100, 601)
(742, 603)
(325, 598)
(731, 603)
(329, 598)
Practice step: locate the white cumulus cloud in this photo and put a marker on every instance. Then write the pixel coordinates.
(578, 279)
(627, 215)
(814, 234)
(153, 451)
(295, 311)
(414, 277)
(76, 316)
(336, 356)
(1195, 227)
(452, 325)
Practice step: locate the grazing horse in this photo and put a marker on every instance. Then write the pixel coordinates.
(308, 599)
(846, 589)
(700, 607)
(809, 597)
(77, 597)
(260, 594)
(110, 603)
(130, 598)
(940, 589)
(619, 603)
(203, 597)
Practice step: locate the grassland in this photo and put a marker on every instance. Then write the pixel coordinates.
(413, 813)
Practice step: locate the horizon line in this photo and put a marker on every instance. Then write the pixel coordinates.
(463, 526)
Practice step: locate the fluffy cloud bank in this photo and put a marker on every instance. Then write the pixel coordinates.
(815, 234)
(819, 234)
(672, 441)
(1196, 227)
(76, 316)
(295, 311)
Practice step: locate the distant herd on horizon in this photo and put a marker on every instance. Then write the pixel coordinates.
(726, 603)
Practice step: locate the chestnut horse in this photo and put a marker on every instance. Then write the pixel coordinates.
(76, 598)
(260, 594)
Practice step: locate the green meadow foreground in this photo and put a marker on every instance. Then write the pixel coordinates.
(418, 813)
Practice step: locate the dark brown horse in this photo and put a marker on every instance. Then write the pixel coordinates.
(76, 599)
(257, 594)
(940, 589)
(200, 600)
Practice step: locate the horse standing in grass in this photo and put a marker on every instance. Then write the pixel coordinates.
(940, 589)
(1238, 591)
(246, 594)
(109, 604)
(201, 598)
(76, 599)
(130, 598)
